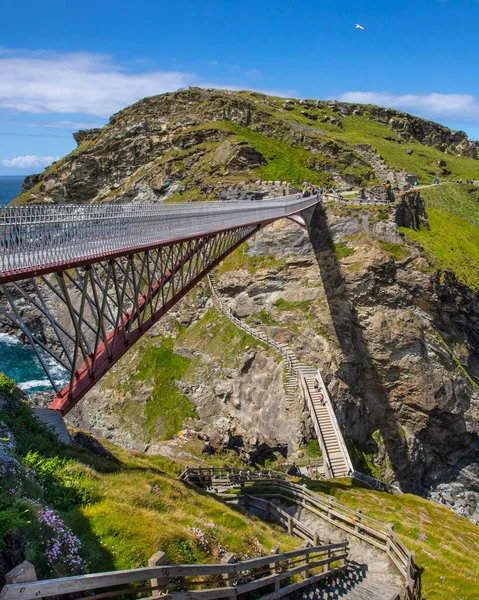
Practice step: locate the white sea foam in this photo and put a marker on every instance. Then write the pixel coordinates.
(9, 340)
(35, 383)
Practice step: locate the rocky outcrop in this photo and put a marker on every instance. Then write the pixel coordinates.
(30, 181)
(410, 127)
(85, 135)
(199, 143)
(411, 211)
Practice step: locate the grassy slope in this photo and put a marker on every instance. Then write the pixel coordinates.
(123, 512)
(154, 365)
(453, 240)
(363, 130)
(447, 555)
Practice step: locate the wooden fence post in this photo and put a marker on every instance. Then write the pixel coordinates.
(22, 573)
(328, 564)
(267, 512)
(306, 561)
(273, 565)
(290, 525)
(358, 520)
(317, 541)
(161, 582)
(228, 559)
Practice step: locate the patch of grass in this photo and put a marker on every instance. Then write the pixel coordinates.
(284, 161)
(342, 250)
(264, 316)
(194, 194)
(282, 304)
(240, 259)
(450, 538)
(452, 243)
(422, 162)
(7, 385)
(215, 335)
(312, 449)
(166, 408)
(397, 251)
(459, 199)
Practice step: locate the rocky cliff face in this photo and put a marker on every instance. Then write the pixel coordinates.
(197, 143)
(397, 343)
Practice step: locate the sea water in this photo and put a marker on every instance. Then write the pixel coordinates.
(18, 360)
(10, 188)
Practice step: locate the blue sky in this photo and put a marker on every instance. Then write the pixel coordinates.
(70, 65)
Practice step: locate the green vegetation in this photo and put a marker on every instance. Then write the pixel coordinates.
(239, 259)
(7, 385)
(446, 544)
(312, 449)
(363, 129)
(293, 304)
(166, 409)
(342, 250)
(452, 243)
(215, 335)
(397, 251)
(194, 194)
(123, 509)
(459, 199)
(285, 162)
(362, 457)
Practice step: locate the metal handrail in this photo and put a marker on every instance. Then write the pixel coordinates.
(44, 236)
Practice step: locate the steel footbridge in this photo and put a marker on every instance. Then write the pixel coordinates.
(97, 277)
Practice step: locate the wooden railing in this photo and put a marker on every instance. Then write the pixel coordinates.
(272, 576)
(228, 579)
(353, 522)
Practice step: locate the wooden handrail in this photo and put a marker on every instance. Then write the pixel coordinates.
(278, 567)
(378, 534)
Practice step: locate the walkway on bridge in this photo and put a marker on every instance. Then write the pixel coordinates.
(114, 270)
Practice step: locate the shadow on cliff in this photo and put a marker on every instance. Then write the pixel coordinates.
(357, 369)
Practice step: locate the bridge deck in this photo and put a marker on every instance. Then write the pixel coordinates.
(40, 239)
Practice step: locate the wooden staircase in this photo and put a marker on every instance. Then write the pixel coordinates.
(309, 381)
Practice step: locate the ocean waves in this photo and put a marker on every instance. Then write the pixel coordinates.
(20, 362)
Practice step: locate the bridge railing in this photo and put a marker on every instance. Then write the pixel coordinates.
(36, 236)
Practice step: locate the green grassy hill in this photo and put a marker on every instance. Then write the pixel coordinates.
(122, 508)
(194, 144)
(446, 544)
(452, 243)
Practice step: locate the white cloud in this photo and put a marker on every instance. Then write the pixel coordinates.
(23, 162)
(84, 83)
(453, 107)
(87, 83)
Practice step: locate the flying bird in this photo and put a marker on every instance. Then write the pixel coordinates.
(359, 26)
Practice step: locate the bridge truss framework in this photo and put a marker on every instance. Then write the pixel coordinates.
(107, 302)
